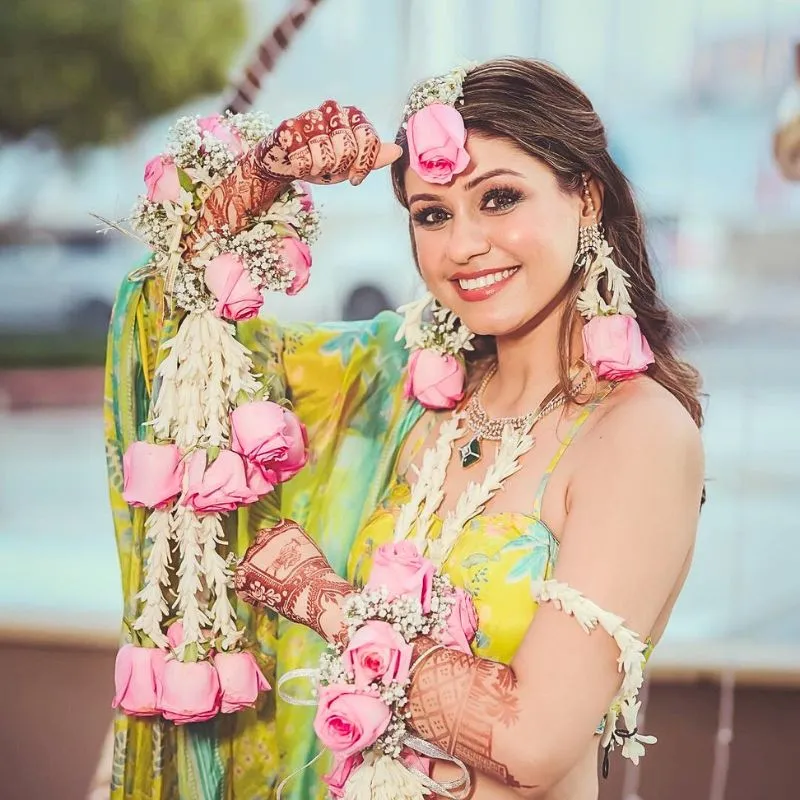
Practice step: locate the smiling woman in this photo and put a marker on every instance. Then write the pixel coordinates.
(546, 370)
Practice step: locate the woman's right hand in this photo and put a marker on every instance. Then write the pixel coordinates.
(329, 144)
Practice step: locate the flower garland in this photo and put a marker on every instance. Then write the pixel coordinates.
(215, 442)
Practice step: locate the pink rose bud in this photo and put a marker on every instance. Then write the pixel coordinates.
(462, 624)
(306, 199)
(152, 474)
(377, 652)
(161, 179)
(338, 776)
(436, 137)
(240, 680)
(215, 126)
(296, 257)
(270, 436)
(435, 379)
(220, 486)
(615, 347)
(349, 720)
(175, 634)
(402, 571)
(237, 297)
(190, 692)
(138, 676)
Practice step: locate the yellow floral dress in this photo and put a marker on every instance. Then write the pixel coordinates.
(495, 559)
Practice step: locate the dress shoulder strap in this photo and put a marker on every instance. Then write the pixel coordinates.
(566, 442)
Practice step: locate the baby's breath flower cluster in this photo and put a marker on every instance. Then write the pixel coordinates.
(441, 331)
(203, 161)
(447, 89)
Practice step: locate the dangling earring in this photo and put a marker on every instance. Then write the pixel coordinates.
(613, 343)
(436, 373)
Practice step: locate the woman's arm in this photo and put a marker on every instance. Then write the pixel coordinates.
(630, 528)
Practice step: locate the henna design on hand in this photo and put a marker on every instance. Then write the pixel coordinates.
(321, 145)
(285, 571)
(456, 701)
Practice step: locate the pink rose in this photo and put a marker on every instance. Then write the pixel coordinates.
(215, 126)
(349, 720)
(403, 571)
(161, 179)
(138, 676)
(414, 760)
(342, 769)
(377, 652)
(296, 257)
(190, 691)
(305, 197)
(462, 624)
(436, 137)
(435, 379)
(615, 347)
(152, 474)
(220, 486)
(271, 437)
(237, 297)
(240, 680)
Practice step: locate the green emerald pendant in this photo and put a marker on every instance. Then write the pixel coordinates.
(470, 452)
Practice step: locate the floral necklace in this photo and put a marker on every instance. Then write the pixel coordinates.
(427, 493)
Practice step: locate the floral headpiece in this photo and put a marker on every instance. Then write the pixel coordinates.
(435, 130)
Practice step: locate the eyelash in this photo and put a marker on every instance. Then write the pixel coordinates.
(505, 198)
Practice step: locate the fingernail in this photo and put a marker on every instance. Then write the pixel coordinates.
(356, 179)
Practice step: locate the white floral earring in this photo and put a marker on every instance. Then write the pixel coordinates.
(613, 343)
(436, 373)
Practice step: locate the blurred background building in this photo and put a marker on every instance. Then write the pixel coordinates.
(689, 92)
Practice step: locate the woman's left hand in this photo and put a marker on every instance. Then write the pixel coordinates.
(285, 571)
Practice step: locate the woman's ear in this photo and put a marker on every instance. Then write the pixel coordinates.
(593, 192)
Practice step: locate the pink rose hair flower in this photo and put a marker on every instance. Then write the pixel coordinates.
(296, 256)
(436, 137)
(138, 679)
(240, 681)
(221, 486)
(190, 692)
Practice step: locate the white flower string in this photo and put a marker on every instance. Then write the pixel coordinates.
(154, 605)
(590, 302)
(447, 89)
(631, 663)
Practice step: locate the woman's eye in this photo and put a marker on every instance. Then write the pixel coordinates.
(429, 217)
(500, 199)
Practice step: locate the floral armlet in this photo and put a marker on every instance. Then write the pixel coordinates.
(361, 688)
(214, 441)
(631, 662)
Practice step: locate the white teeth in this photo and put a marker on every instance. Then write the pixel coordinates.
(485, 280)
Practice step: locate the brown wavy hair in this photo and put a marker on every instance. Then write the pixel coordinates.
(541, 111)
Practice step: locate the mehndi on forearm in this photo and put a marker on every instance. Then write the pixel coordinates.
(285, 571)
(458, 702)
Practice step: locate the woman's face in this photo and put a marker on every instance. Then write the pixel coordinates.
(497, 244)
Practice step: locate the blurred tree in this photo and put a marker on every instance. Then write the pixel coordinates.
(88, 72)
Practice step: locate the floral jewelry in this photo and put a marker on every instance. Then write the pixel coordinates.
(215, 442)
(435, 374)
(435, 131)
(613, 343)
(361, 688)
